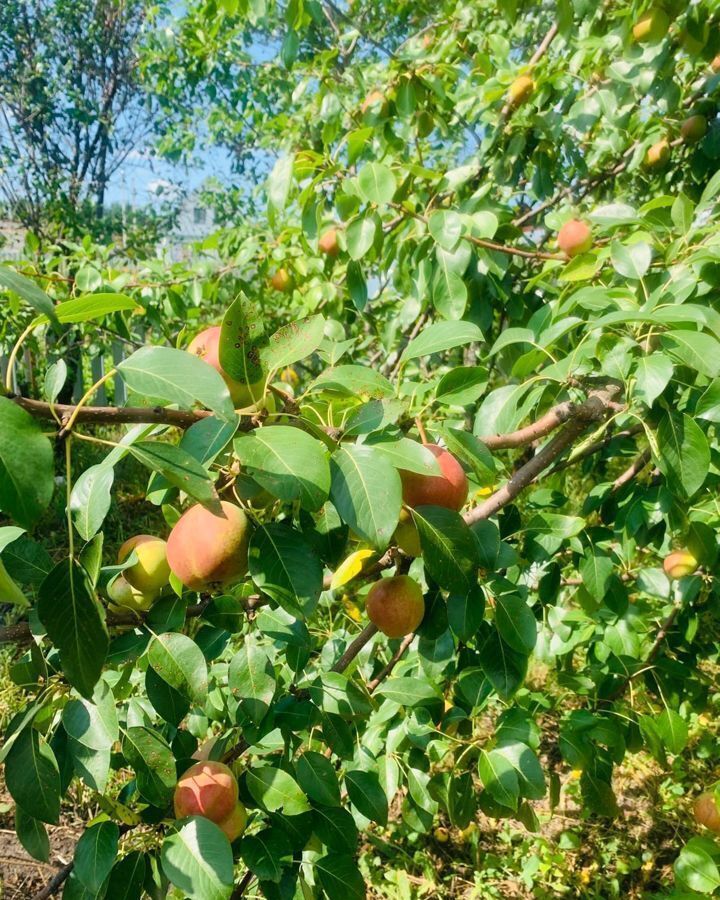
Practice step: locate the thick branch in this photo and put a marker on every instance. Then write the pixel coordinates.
(552, 419)
(108, 415)
(593, 410)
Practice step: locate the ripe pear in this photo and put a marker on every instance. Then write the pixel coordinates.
(406, 535)
(375, 104)
(206, 345)
(125, 596)
(396, 605)
(693, 129)
(207, 789)
(207, 550)
(151, 572)
(574, 238)
(282, 281)
(651, 27)
(449, 489)
(520, 90)
(706, 812)
(679, 563)
(328, 243)
(234, 824)
(658, 155)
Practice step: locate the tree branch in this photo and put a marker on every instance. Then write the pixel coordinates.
(109, 415)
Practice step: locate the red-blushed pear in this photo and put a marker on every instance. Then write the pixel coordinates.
(125, 596)
(281, 280)
(706, 812)
(574, 237)
(375, 104)
(658, 155)
(520, 90)
(693, 129)
(151, 572)
(328, 243)
(651, 27)
(206, 345)
(715, 64)
(206, 789)
(679, 563)
(234, 824)
(206, 550)
(449, 489)
(396, 605)
(406, 535)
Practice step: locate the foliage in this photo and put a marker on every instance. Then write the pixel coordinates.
(578, 394)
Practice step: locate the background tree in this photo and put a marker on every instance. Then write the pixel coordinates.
(71, 107)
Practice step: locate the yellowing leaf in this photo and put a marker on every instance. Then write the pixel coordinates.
(352, 609)
(350, 568)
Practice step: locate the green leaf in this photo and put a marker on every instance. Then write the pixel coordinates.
(631, 260)
(376, 183)
(90, 306)
(266, 853)
(367, 796)
(405, 454)
(287, 462)
(95, 855)
(32, 776)
(152, 759)
(197, 859)
(178, 660)
(317, 777)
(32, 834)
(178, 467)
(354, 381)
(700, 352)
(340, 877)
(696, 866)
(367, 493)
(449, 291)
(360, 236)
(446, 228)
(515, 622)
(293, 342)
(127, 877)
(90, 499)
(284, 566)
(335, 693)
(504, 667)
(441, 336)
(408, 691)
(673, 730)
(251, 680)
(684, 453)
(652, 375)
(274, 789)
(461, 386)
(465, 612)
(26, 465)
(596, 570)
(28, 291)
(708, 406)
(72, 616)
(335, 827)
(93, 723)
(449, 548)
(278, 185)
(499, 777)
(472, 451)
(175, 376)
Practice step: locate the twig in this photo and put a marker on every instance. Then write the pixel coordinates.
(637, 465)
(55, 883)
(353, 648)
(396, 657)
